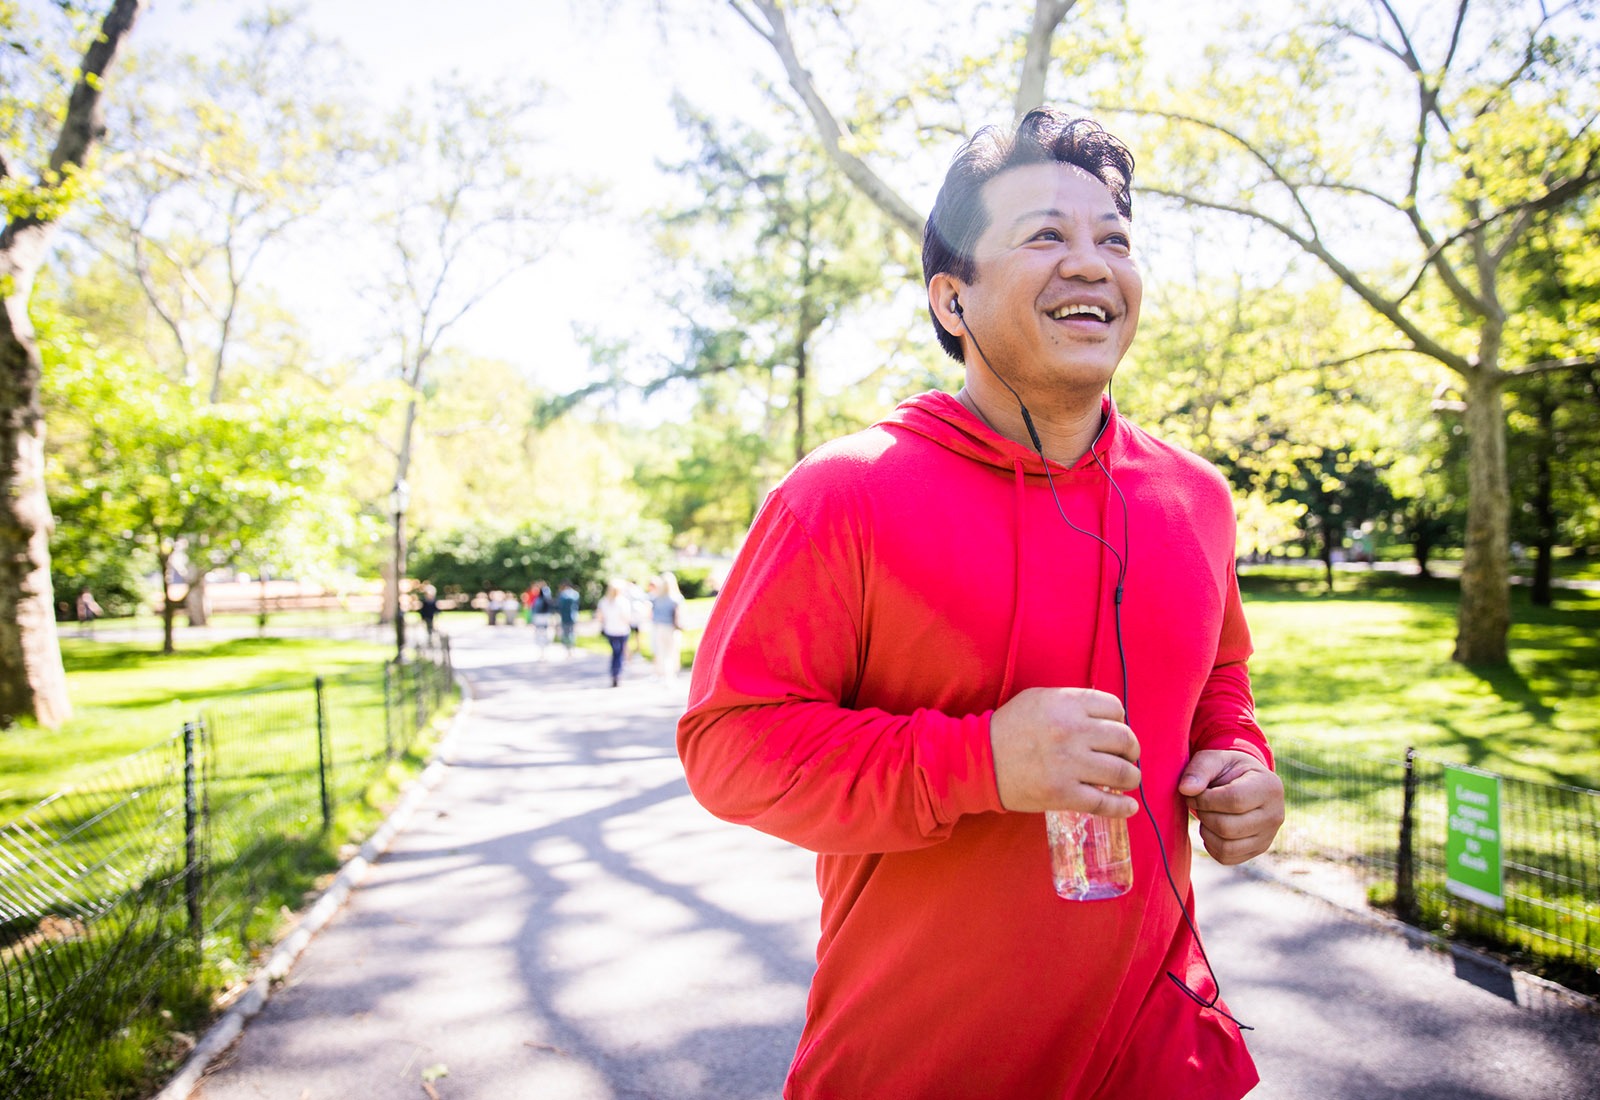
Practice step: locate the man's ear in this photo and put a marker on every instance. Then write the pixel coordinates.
(944, 298)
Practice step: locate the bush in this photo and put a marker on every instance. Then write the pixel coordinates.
(478, 558)
(694, 581)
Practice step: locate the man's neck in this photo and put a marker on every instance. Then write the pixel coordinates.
(1065, 432)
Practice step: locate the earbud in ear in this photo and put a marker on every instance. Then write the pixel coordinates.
(955, 306)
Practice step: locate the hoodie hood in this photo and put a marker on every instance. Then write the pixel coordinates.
(942, 419)
(945, 421)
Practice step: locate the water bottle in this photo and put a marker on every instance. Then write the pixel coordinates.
(1089, 855)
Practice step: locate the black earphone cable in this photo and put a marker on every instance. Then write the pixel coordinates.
(1214, 1001)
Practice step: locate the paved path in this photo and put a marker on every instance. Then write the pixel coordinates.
(561, 921)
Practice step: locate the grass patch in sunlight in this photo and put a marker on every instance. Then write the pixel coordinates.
(1368, 669)
(127, 696)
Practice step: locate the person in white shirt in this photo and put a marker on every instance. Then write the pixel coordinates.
(615, 615)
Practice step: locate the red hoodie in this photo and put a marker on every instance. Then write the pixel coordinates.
(896, 588)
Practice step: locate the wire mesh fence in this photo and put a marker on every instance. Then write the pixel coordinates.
(128, 901)
(87, 882)
(1400, 823)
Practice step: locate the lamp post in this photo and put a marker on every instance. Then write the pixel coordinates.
(399, 497)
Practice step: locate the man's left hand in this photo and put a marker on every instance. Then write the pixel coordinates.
(1238, 800)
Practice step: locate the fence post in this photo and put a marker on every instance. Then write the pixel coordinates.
(1405, 884)
(192, 871)
(420, 686)
(388, 710)
(322, 760)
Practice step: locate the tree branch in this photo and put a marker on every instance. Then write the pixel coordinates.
(1558, 193)
(1549, 366)
(776, 34)
(1424, 344)
(1249, 149)
(1360, 355)
(1427, 107)
(1047, 16)
(85, 123)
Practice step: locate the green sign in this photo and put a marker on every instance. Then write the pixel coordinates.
(1472, 846)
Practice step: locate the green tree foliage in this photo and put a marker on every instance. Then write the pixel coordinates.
(796, 250)
(785, 251)
(1341, 493)
(1260, 380)
(1428, 480)
(217, 160)
(706, 475)
(149, 465)
(1554, 418)
(1410, 153)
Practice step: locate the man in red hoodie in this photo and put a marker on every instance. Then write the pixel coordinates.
(985, 607)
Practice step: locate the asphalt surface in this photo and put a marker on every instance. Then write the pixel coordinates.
(559, 920)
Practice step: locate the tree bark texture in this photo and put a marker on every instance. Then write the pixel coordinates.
(1544, 507)
(1484, 619)
(1047, 16)
(32, 680)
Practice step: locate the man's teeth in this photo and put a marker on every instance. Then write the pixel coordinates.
(1079, 311)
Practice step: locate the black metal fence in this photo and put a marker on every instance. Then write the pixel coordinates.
(130, 900)
(1389, 818)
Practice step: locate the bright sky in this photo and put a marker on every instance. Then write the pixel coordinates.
(603, 60)
(606, 60)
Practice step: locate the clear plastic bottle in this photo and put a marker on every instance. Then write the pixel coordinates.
(1089, 855)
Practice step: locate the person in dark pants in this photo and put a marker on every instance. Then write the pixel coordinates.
(567, 612)
(428, 608)
(615, 615)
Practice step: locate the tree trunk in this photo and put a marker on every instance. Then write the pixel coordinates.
(169, 606)
(391, 587)
(1327, 553)
(1422, 550)
(801, 382)
(1484, 620)
(394, 574)
(32, 680)
(196, 604)
(1047, 16)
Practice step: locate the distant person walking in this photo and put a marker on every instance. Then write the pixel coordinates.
(615, 614)
(567, 611)
(541, 604)
(639, 607)
(428, 608)
(666, 620)
(88, 611)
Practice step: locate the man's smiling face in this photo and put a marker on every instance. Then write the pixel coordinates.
(1055, 300)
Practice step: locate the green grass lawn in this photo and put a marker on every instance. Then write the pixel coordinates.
(126, 697)
(1369, 668)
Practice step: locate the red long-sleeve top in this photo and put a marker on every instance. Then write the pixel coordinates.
(895, 589)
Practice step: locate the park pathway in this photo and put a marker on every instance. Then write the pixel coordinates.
(560, 921)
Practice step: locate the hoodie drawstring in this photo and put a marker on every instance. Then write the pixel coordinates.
(1015, 641)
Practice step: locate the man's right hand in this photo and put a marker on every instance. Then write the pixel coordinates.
(1056, 748)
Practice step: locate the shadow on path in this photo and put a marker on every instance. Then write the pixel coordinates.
(560, 919)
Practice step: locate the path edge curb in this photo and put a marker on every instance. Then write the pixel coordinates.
(221, 1034)
(1521, 980)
